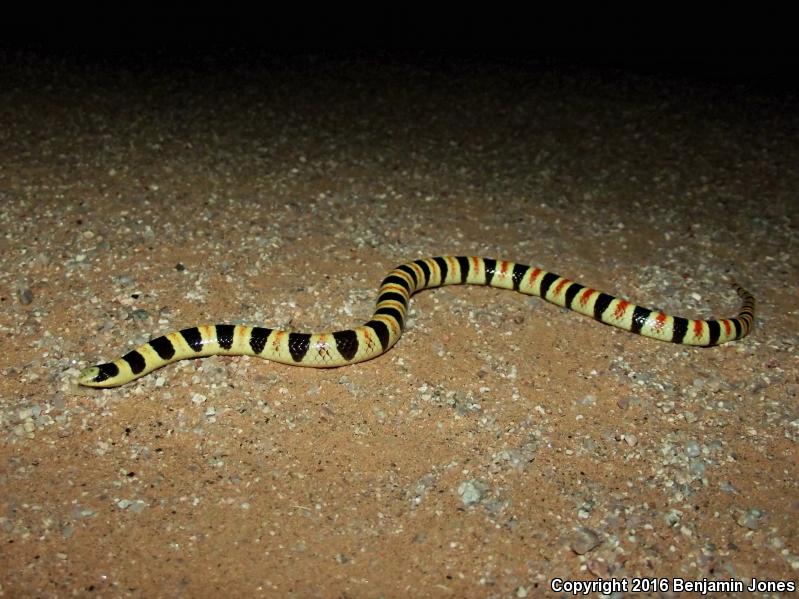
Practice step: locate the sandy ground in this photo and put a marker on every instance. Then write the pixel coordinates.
(504, 442)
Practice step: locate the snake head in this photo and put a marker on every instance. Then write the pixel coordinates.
(101, 375)
(88, 377)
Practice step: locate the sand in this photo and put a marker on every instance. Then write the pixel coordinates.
(504, 442)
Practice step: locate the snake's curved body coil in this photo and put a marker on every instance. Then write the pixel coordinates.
(339, 348)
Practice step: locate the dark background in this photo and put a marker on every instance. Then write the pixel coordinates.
(757, 49)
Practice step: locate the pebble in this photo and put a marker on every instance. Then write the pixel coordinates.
(698, 468)
(692, 449)
(584, 540)
(690, 417)
(471, 492)
(750, 518)
(135, 505)
(673, 517)
(25, 296)
(728, 487)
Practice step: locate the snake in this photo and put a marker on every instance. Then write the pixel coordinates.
(383, 330)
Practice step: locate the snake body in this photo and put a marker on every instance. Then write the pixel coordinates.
(340, 348)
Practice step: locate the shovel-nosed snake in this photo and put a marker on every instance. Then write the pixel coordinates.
(348, 346)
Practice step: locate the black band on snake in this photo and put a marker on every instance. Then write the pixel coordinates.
(340, 348)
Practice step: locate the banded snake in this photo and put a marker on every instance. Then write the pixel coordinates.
(349, 346)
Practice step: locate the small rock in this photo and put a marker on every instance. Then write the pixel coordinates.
(690, 417)
(750, 518)
(584, 540)
(697, 468)
(692, 449)
(673, 517)
(25, 296)
(728, 487)
(471, 492)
